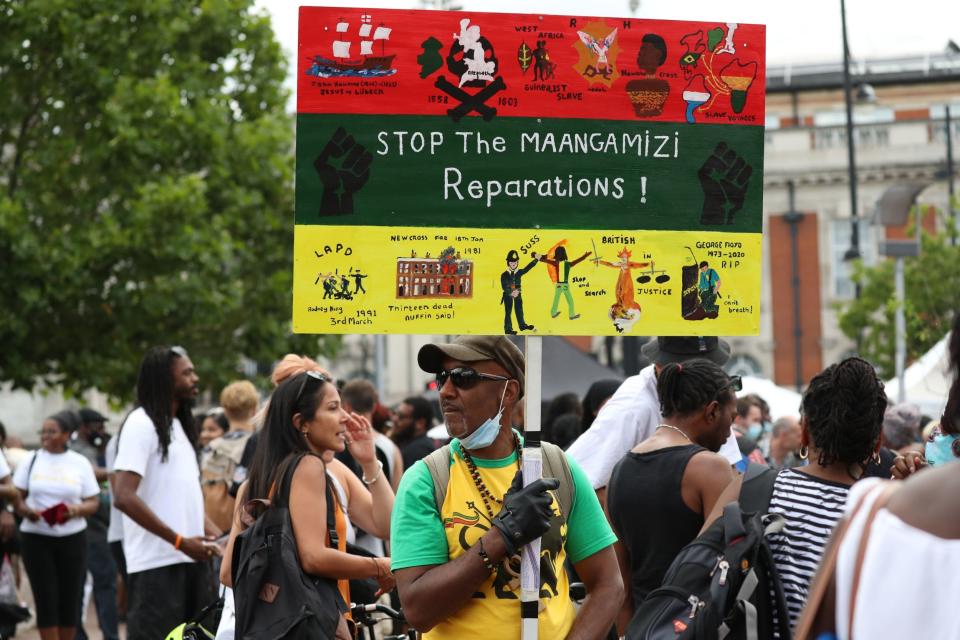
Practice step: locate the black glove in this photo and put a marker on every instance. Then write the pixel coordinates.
(526, 512)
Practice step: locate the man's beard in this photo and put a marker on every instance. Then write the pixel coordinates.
(186, 399)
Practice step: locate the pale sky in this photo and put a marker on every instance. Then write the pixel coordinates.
(797, 32)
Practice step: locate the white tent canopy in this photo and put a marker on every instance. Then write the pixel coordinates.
(782, 401)
(927, 381)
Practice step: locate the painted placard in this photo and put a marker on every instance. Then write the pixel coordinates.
(462, 172)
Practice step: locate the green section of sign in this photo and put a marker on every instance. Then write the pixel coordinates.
(528, 173)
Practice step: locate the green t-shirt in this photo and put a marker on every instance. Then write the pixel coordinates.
(417, 536)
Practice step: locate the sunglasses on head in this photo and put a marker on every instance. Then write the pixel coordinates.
(309, 375)
(736, 383)
(465, 377)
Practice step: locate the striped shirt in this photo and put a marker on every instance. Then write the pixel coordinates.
(811, 507)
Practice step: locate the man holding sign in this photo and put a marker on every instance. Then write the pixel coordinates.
(462, 515)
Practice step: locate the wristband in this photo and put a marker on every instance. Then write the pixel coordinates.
(484, 557)
(177, 542)
(376, 477)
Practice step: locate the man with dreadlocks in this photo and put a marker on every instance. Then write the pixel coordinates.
(661, 492)
(157, 488)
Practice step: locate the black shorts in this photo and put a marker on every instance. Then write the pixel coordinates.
(57, 568)
(161, 599)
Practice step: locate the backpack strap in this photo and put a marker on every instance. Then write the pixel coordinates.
(281, 496)
(333, 538)
(733, 530)
(556, 465)
(438, 464)
(33, 461)
(757, 488)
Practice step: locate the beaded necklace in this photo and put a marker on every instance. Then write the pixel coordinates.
(478, 481)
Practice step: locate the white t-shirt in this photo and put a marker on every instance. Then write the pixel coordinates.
(628, 418)
(54, 478)
(115, 531)
(171, 489)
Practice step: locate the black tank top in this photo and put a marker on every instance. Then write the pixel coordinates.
(649, 514)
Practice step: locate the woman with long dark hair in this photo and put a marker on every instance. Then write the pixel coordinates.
(305, 417)
(661, 491)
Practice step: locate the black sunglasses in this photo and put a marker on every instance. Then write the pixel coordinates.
(465, 377)
(309, 375)
(736, 383)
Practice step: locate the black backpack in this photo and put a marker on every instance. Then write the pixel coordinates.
(274, 597)
(719, 586)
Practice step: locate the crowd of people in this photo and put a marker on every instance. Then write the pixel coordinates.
(366, 503)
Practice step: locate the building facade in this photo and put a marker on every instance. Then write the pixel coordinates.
(899, 136)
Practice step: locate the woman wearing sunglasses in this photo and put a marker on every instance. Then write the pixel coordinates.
(305, 416)
(661, 492)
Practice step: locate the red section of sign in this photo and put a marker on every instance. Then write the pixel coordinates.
(380, 61)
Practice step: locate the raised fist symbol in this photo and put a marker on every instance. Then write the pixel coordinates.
(724, 178)
(339, 184)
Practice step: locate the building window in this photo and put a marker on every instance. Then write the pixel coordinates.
(841, 271)
(865, 137)
(938, 129)
(871, 128)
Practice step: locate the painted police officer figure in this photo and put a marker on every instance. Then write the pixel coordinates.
(510, 281)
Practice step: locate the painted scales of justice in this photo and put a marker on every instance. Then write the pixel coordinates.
(368, 65)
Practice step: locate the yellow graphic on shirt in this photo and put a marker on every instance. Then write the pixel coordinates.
(497, 604)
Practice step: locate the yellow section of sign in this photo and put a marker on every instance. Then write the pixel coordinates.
(403, 280)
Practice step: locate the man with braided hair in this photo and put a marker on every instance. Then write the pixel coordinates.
(661, 492)
(630, 416)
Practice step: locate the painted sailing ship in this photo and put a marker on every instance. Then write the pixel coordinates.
(369, 64)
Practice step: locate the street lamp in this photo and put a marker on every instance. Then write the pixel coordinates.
(853, 252)
(865, 94)
(893, 210)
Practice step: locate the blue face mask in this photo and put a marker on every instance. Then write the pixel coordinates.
(486, 433)
(942, 449)
(755, 430)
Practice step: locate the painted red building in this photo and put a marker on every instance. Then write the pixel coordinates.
(433, 278)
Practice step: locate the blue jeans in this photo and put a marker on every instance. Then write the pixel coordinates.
(102, 567)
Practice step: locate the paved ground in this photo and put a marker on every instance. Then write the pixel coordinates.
(28, 630)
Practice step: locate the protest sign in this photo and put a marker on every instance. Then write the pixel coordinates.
(463, 172)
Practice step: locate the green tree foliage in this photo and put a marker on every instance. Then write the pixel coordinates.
(146, 190)
(932, 286)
